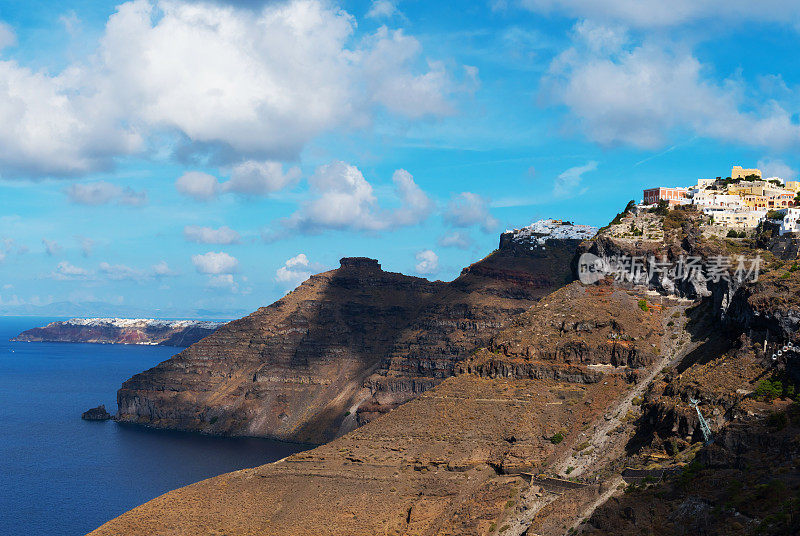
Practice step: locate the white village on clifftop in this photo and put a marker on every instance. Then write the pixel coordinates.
(739, 202)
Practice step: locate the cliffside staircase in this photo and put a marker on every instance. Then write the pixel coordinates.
(707, 437)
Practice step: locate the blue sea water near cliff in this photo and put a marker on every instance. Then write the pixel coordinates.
(62, 476)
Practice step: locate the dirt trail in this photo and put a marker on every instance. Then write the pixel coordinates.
(605, 446)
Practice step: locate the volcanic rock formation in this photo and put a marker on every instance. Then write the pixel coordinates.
(341, 349)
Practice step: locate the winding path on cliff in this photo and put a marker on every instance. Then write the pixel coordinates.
(606, 446)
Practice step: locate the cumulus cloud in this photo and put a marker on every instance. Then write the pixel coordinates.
(215, 263)
(636, 94)
(58, 126)
(209, 235)
(427, 262)
(776, 168)
(381, 9)
(197, 185)
(654, 13)
(231, 82)
(132, 198)
(7, 36)
(249, 178)
(568, 183)
(260, 178)
(223, 281)
(393, 85)
(51, 247)
(120, 272)
(467, 209)
(162, 269)
(296, 270)
(102, 192)
(66, 271)
(456, 239)
(415, 205)
(341, 198)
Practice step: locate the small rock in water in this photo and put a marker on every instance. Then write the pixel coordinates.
(96, 414)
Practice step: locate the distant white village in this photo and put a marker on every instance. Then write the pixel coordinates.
(741, 201)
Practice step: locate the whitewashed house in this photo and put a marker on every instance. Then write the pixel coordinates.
(791, 222)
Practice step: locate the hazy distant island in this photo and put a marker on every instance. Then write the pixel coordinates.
(148, 331)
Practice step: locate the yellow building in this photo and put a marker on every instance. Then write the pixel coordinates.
(737, 219)
(793, 186)
(738, 172)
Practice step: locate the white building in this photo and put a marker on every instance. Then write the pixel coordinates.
(709, 199)
(702, 184)
(791, 222)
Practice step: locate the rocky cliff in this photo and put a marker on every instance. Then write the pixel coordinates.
(565, 416)
(180, 333)
(341, 349)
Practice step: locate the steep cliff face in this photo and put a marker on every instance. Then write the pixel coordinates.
(353, 338)
(180, 333)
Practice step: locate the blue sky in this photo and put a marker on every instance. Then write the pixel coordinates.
(171, 156)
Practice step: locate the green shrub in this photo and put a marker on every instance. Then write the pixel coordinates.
(557, 438)
(643, 305)
(732, 234)
(568, 470)
(768, 390)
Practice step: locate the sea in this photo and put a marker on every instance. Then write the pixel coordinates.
(63, 476)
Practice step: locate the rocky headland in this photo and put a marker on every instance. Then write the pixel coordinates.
(513, 400)
(148, 331)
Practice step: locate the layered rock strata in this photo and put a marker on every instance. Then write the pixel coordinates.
(341, 349)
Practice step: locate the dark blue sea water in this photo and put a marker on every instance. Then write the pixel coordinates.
(60, 475)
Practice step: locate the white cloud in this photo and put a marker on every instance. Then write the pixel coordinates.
(637, 95)
(260, 178)
(415, 206)
(776, 168)
(209, 235)
(343, 199)
(51, 247)
(132, 198)
(96, 193)
(162, 269)
(228, 81)
(87, 245)
(568, 183)
(467, 209)
(296, 270)
(259, 85)
(197, 185)
(215, 263)
(7, 36)
(427, 262)
(223, 281)
(250, 178)
(654, 13)
(381, 9)
(102, 192)
(65, 270)
(57, 126)
(392, 84)
(456, 239)
(120, 272)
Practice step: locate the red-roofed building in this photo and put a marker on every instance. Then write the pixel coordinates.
(674, 196)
